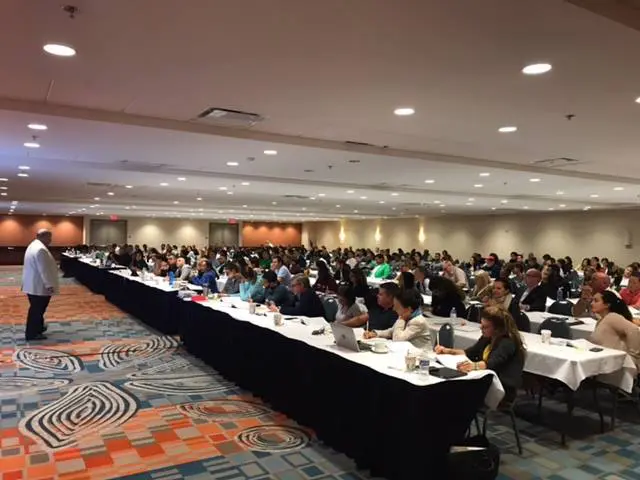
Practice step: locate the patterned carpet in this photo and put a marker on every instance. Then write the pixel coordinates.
(104, 397)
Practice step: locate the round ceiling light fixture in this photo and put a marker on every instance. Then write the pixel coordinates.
(59, 50)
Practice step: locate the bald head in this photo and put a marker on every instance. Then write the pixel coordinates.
(600, 282)
(44, 236)
(532, 278)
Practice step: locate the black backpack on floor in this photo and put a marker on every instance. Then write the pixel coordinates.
(481, 464)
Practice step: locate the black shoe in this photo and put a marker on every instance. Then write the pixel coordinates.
(45, 328)
(40, 336)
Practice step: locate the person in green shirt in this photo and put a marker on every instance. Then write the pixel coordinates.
(265, 261)
(382, 269)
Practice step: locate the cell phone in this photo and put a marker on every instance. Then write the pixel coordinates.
(318, 332)
(595, 349)
(290, 318)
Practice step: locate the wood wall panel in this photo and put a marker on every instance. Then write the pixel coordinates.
(258, 233)
(20, 230)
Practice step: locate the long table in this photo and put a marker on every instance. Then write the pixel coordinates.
(389, 421)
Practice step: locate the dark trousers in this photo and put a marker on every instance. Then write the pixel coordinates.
(35, 318)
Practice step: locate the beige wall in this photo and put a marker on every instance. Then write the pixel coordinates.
(154, 231)
(578, 234)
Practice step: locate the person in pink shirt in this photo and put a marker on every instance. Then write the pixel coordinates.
(631, 294)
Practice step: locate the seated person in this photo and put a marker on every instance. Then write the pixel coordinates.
(282, 272)
(205, 276)
(410, 326)
(422, 280)
(274, 292)
(232, 285)
(616, 328)
(598, 283)
(631, 294)
(381, 315)
(492, 266)
(183, 270)
(499, 349)
(306, 303)
(445, 297)
(161, 267)
(251, 288)
(455, 274)
(500, 294)
(138, 262)
(381, 269)
(324, 282)
(534, 298)
(348, 307)
(482, 289)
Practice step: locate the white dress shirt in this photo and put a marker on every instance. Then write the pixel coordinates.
(40, 270)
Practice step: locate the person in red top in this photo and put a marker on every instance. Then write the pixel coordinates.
(631, 294)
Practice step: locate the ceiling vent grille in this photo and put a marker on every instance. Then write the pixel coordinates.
(558, 162)
(228, 118)
(298, 197)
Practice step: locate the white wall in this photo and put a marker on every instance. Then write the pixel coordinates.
(578, 234)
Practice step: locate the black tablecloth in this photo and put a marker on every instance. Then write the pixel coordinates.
(396, 429)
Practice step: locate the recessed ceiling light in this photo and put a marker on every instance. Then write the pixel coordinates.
(594, 195)
(429, 180)
(229, 193)
(14, 202)
(182, 179)
(23, 174)
(404, 111)
(618, 189)
(24, 167)
(478, 185)
(525, 207)
(304, 208)
(31, 144)
(270, 152)
(4, 194)
(562, 205)
(508, 129)
(504, 201)
(199, 199)
(164, 184)
(127, 208)
(274, 203)
(442, 205)
(469, 204)
(485, 174)
(355, 211)
(176, 202)
(128, 186)
(111, 194)
(96, 198)
(395, 194)
(37, 126)
(587, 208)
(222, 188)
(244, 206)
(394, 208)
(437, 201)
(559, 192)
(59, 50)
(534, 180)
(350, 191)
(536, 68)
(551, 208)
(493, 208)
(232, 164)
(4, 179)
(245, 184)
(381, 201)
(472, 199)
(4, 188)
(638, 100)
(363, 198)
(321, 195)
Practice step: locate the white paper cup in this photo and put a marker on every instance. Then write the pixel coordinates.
(546, 336)
(277, 319)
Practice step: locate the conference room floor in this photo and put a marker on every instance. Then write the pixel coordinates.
(171, 416)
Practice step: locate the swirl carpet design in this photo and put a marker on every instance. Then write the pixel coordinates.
(46, 360)
(274, 438)
(223, 410)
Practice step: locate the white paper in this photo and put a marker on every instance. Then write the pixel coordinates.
(451, 361)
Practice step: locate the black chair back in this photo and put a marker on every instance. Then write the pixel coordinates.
(522, 322)
(561, 308)
(558, 326)
(445, 335)
(474, 312)
(330, 308)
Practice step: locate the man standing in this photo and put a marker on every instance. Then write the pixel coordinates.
(39, 282)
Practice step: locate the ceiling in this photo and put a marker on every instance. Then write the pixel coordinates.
(323, 75)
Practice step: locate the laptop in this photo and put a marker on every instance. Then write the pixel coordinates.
(346, 338)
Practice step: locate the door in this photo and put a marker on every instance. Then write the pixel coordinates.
(223, 234)
(106, 232)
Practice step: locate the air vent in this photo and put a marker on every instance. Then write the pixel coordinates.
(297, 197)
(557, 162)
(228, 118)
(98, 184)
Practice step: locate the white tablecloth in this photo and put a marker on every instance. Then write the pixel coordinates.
(578, 331)
(391, 363)
(569, 365)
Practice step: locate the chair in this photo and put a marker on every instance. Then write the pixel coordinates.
(330, 308)
(445, 335)
(561, 308)
(558, 326)
(522, 322)
(507, 406)
(474, 312)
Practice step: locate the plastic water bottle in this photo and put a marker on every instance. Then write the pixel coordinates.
(560, 295)
(172, 278)
(453, 316)
(423, 362)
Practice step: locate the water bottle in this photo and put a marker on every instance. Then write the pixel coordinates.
(453, 316)
(560, 295)
(423, 362)
(172, 278)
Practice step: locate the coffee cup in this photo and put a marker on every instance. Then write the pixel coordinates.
(252, 308)
(380, 346)
(277, 319)
(546, 336)
(205, 291)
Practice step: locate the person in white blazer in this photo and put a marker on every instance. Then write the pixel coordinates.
(40, 281)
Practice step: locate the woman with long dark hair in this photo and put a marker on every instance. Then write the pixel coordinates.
(616, 327)
(325, 281)
(445, 297)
